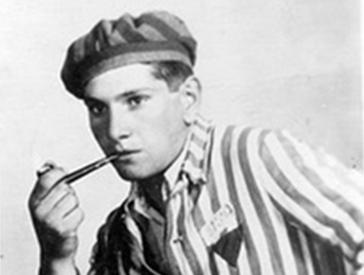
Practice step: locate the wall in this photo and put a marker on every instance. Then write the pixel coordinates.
(292, 64)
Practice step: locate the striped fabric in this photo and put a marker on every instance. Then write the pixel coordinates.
(248, 201)
(153, 36)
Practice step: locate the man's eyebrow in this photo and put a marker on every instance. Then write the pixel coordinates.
(129, 93)
(132, 92)
(123, 95)
(88, 100)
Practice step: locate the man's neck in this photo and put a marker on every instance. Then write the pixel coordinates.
(152, 187)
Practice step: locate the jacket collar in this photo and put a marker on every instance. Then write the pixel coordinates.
(195, 164)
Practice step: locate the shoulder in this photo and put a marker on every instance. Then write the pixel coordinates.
(240, 135)
(248, 144)
(224, 132)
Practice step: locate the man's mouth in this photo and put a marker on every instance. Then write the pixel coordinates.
(126, 154)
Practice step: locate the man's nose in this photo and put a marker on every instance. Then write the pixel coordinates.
(119, 125)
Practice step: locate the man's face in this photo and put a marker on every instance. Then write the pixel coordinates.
(136, 114)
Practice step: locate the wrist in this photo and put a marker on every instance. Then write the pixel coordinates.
(57, 266)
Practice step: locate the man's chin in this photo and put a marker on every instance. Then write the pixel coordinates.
(136, 174)
(131, 175)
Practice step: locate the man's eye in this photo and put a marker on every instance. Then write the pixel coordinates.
(135, 101)
(96, 109)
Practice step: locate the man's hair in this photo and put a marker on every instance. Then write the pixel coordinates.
(174, 73)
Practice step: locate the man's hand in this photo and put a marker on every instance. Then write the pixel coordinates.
(56, 215)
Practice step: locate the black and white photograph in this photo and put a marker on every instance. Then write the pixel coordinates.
(181, 137)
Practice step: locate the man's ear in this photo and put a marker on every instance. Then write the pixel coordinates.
(191, 98)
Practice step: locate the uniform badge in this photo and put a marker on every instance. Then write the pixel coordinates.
(223, 221)
(223, 234)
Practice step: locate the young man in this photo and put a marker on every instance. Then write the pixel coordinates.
(203, 199)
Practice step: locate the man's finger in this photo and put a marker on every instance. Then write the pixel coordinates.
(75, 218)
(46, 167)
(65, 205)
(48, 180)
(55, 195)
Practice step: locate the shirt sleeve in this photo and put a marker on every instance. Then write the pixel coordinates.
(315, 191)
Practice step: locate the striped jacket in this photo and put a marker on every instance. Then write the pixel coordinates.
(247, 201)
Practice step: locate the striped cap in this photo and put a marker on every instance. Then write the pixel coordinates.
(153, 36)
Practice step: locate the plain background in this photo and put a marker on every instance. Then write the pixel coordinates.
(291, 64)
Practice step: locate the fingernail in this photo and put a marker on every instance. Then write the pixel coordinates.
(46, 167)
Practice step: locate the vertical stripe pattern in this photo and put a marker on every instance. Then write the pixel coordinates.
(291, 210)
